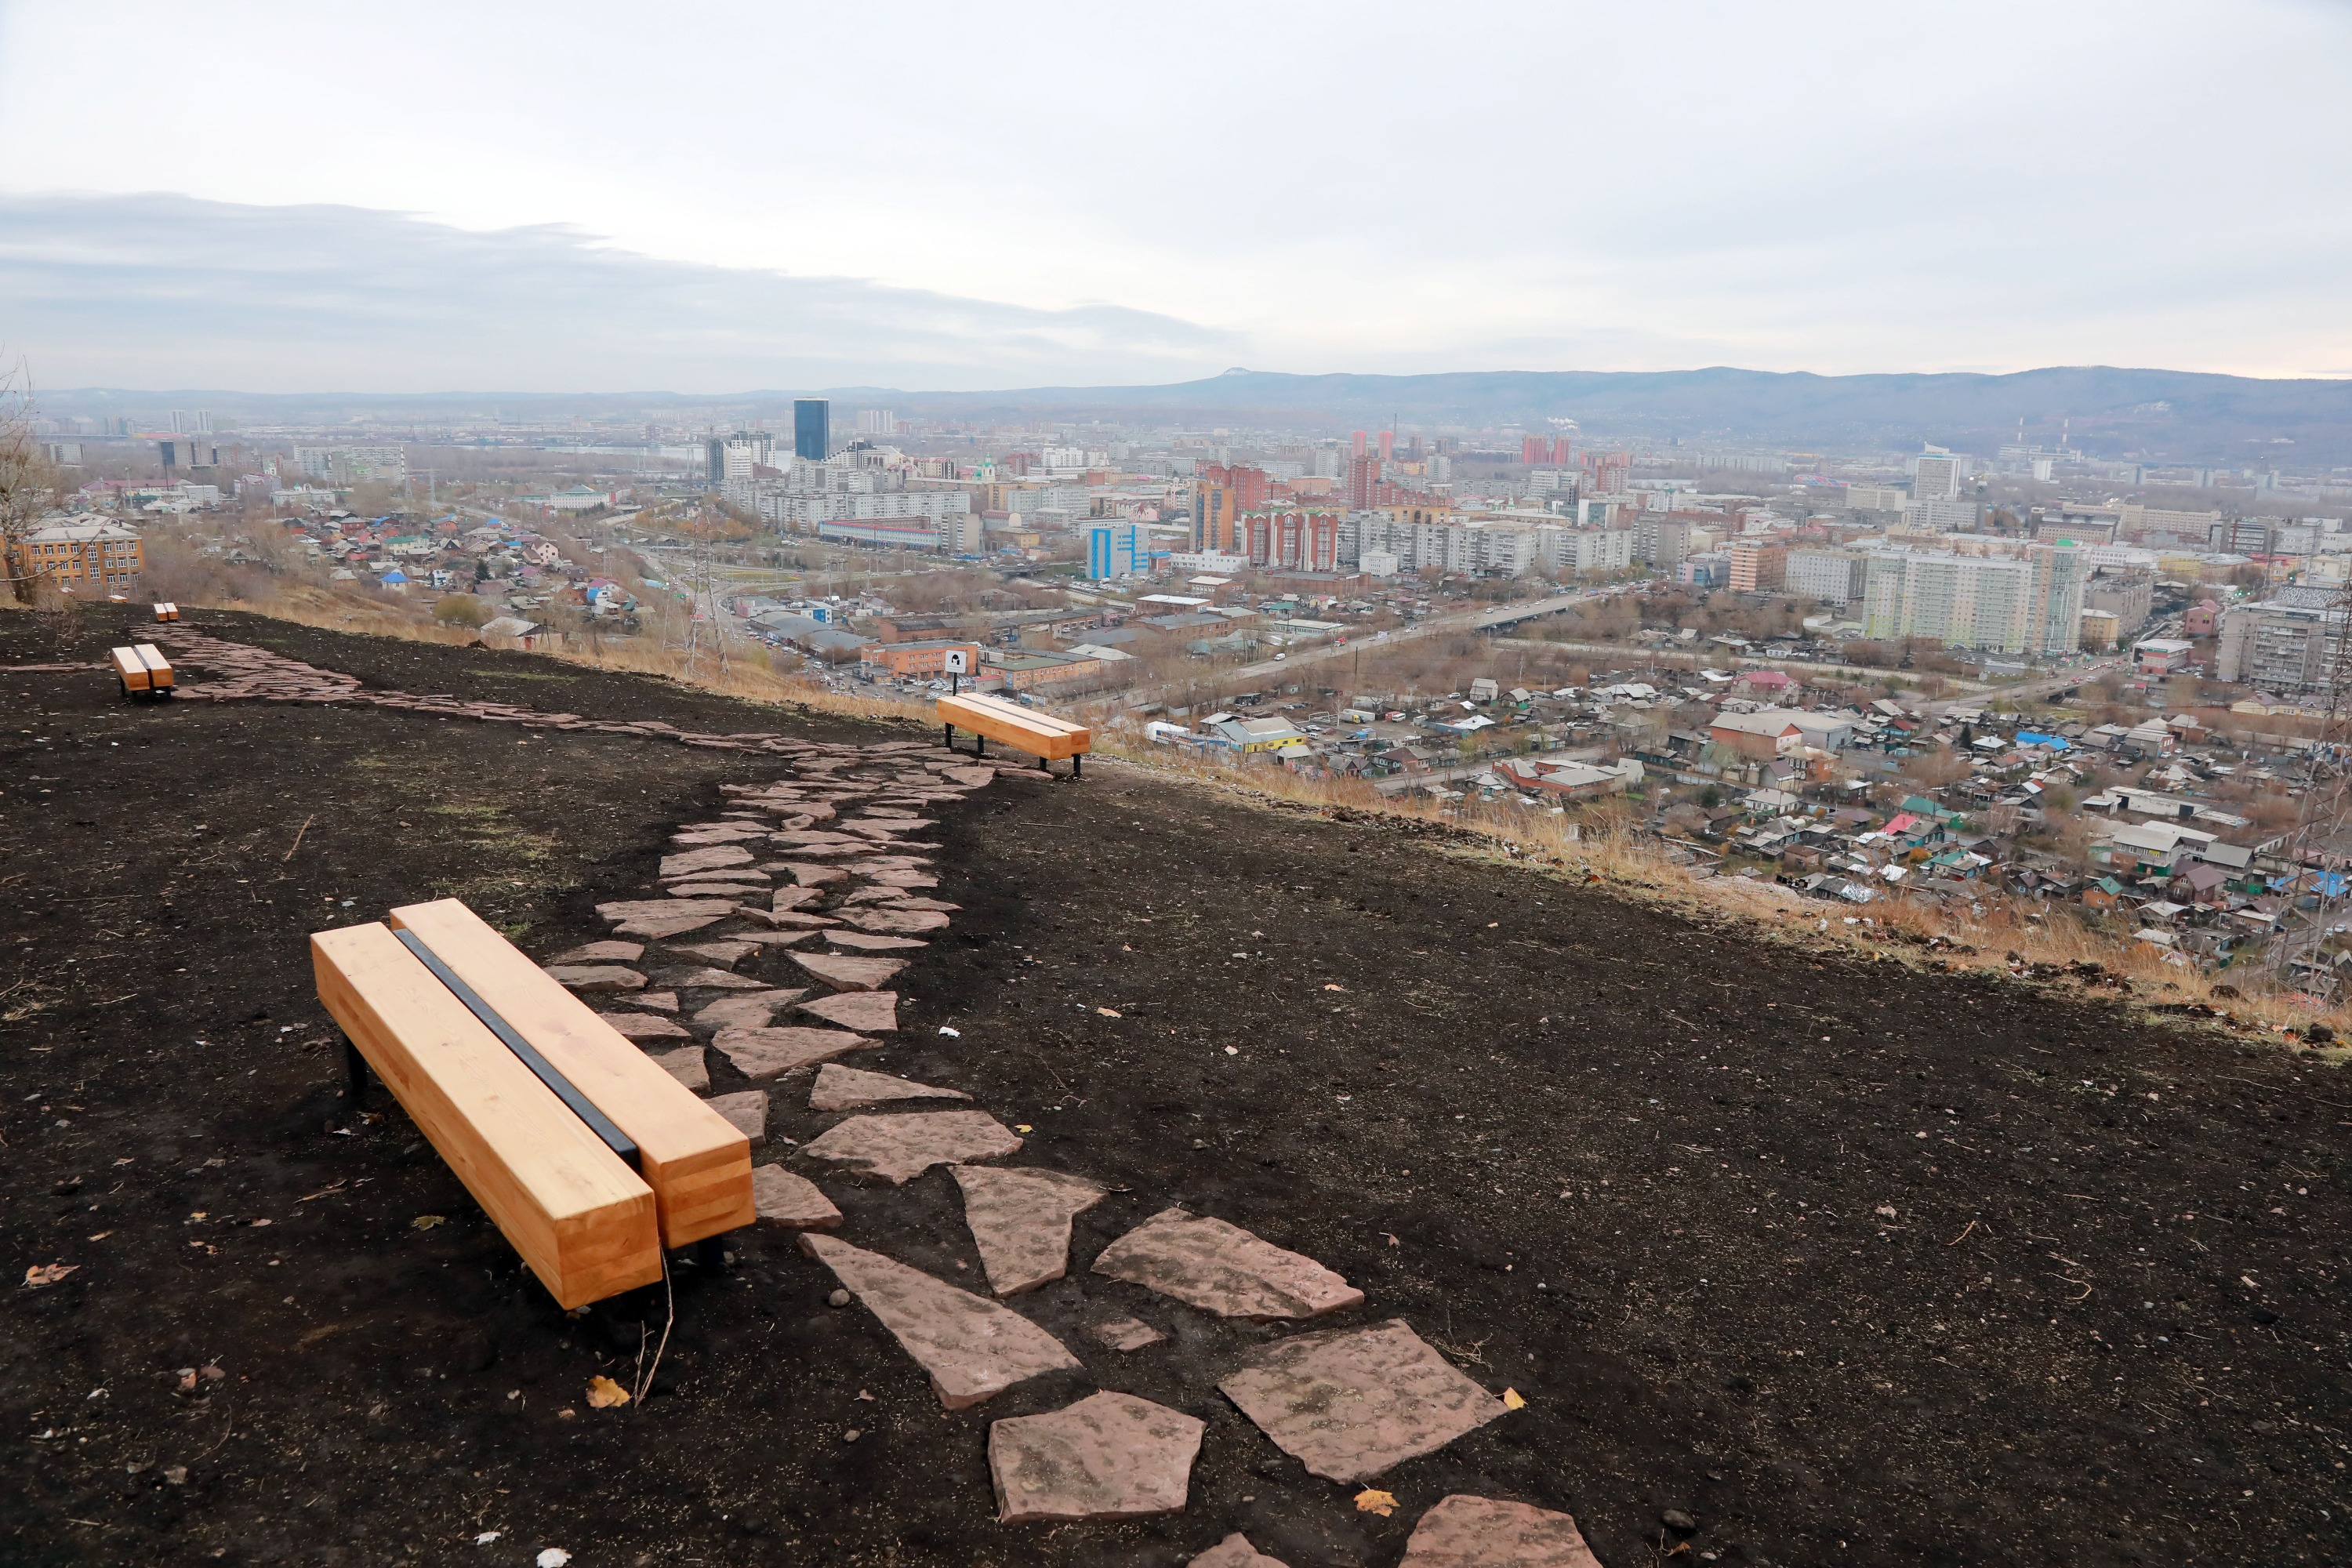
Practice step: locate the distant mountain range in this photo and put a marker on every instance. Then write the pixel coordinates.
(2176, 417)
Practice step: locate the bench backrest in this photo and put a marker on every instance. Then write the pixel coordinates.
(583, 1221)
(697, 1163)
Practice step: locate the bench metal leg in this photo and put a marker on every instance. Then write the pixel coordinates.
(355, 1066)
(1074, 766)
(979, 744)
(949, 737)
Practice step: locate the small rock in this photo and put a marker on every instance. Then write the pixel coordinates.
(852, 1435)
(1679, 1521)
(837, 1298)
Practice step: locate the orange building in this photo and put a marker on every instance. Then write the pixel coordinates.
(1758, 567)
(918, 659)
(1219, 494)
(84, 557)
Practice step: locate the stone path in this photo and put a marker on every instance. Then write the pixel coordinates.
(828, 864)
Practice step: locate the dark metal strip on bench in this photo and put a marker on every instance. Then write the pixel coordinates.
(565, 1090)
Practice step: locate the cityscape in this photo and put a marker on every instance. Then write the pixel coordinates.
(1552, 787)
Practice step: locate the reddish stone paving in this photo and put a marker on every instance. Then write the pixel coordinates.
(1020, 1220)
(794, 1202)
(901, 1147)
(1223, 1268)
(1349, 1404)
(761, 1053)
(973, 1348)
(1110, 1456)
(1464, 1531)
(1235, 1552)
(839, 1087)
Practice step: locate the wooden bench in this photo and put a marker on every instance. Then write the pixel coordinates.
(582, 1220)
(1041, 736)
(142, 667)
(167, 611)
(697, 1161)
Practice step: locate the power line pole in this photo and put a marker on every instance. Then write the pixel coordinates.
(2318, 853)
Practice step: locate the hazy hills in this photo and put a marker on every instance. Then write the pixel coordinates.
(2174, 415)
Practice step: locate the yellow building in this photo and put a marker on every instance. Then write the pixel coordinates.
(84, 557)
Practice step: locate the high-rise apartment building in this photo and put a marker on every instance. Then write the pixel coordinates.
(1937, 476)
(2283, 644)
(726, 457)
(1830, 576)
(1388, 446)
(1757, 565)
(1117, 549)
(1292, 539)
(1221, 493)
(1999, 595)
(1535, 451)
(1356, 447)
(813, 428)
(1363, 481)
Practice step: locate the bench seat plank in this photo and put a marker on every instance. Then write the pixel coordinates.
(158, 667)
(128, 668)
(697, 1161)
(582, 1220)
(1041, 736)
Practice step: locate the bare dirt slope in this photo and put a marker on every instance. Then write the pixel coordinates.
(1847, 1262)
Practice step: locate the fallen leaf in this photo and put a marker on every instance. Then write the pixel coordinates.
(1514, 1400)
(1393, 1239)
(49, 1273)
(1022, 1127)
(1370, 1500)
(1108, 1013)
(604, 1394)
(427, 1221)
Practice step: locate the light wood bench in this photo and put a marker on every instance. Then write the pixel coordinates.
(583, 1221)
(142, 668)
(167, 611)
(1041, 736)
(697, 1163)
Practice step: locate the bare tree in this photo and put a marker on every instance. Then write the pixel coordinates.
(27, 486)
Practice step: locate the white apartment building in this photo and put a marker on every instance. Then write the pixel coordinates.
(2001, 595)
(348, 465)
(1831, 576)
(1937, 476)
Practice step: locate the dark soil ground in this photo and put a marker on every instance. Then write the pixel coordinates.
(1851, 1262)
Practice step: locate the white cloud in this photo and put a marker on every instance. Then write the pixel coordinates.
(1829, 184)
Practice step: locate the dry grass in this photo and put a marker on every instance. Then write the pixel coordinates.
(1606, 848)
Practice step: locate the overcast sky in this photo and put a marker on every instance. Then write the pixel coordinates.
(707, 197)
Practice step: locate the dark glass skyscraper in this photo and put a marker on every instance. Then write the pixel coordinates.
(813, 428)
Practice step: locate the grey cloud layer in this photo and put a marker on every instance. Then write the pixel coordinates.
(166, 290)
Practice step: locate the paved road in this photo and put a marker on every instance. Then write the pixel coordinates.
(1461, 621)
(2042, 688)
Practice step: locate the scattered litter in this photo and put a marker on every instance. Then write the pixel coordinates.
(952, 1034)
(553, 1557)
(1108, 1013)
(486, 1537)
(1233, 1050)
(176, 1474)
(427, 1221)
(1373, 1501)
(49, 1273)
(1024, 1127)
(1514, 1400)
(603, 1393)
(1328, 986)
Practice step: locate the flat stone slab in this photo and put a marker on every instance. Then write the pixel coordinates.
(1223, 1268)
(1125, 1333)
(602, 953)
(661, 1001)
(687, 1066)
(973, 1348)
(714, 980)
(1110, 1456)
(1235, 1552)
(850, 1089)
(1466, 1531)
(1021, 1222)
(860, 942)
(775, 938)
(664, 917)
(971, 778)
(898, 878)
(871, 1012)
(737, 889)
(871, 917)
(846, 974)
(901, 1147)
(596, 977)
(747, 1112)
(751, 1010)
(707, 859)
(1349, 1404)
(795, 898)
(645, 1027)
(725, 954)
(771, 1053)
(789, 1201)
(812, 877)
